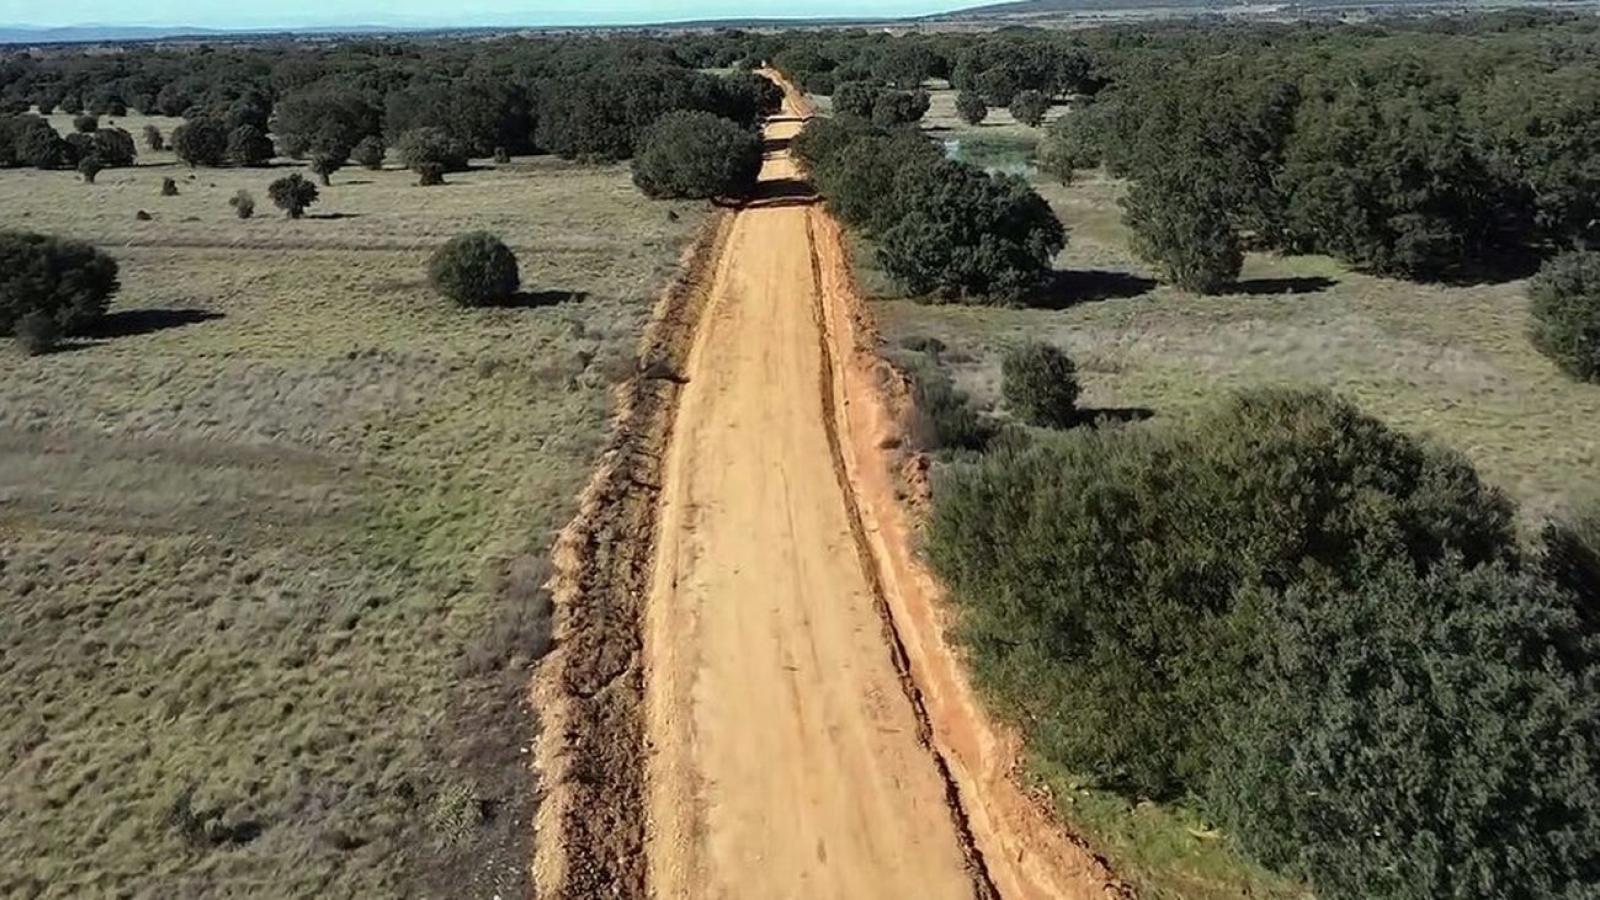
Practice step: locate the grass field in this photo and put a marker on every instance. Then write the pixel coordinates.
(272, 540)
(1449, 363)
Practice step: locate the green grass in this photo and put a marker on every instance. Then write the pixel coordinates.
(272, 550)
(1449, 363)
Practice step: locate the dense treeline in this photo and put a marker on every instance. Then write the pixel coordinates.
(579, 98)
(1421, 154)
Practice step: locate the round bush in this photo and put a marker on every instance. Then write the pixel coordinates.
(369, 152)
(249, 146)
(475, 269)
(1040, 385)
(69, 281)
(292, 194)
(693, 154)
(1566, 313)
(201, 142)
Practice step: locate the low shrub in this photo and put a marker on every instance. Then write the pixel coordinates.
(86, 124)
(693, 154)
(89, 167)
(153, 139)
(292, 194)
(1040, 385)
(69, 281)
(1566, 313)
(475, 269)
(169, 188)
(244, 205)
(1321, 630)
(945, 417)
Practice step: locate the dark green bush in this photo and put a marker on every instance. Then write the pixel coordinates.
(892, 108)
(249, 146)
(369, 153)
(860, 181)
(1040, 385)
(855, 99)
(1320, 629)
(114, 147)
(1418, 736)
(292, 194)
(965, 233)
(34, 143)
(37, 333)
(69, 281)
(243, 204)
(153, 139)
(1566, 313)
(475, 269)
(201, 142)
(431, 147)
(1131, 545)
(1180, 223)
(971, 108)
(696, 154)
(89, 167)
(1029, 107)
(169, 188)
(86, 124)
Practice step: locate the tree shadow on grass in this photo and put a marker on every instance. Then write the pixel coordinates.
(1066, 289)
(538, 299)
(1297, 285)
(134, 322)
(332, 217)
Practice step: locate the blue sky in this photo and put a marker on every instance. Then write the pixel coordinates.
(290, 13)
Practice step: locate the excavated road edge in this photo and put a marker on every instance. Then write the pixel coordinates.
(588, 691)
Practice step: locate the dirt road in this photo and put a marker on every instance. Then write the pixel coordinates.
(787, 761)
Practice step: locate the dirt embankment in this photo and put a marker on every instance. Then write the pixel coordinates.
(589, 690)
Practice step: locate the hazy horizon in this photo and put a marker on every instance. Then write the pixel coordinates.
(429, 13)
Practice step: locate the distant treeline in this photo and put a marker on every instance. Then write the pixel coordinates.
(1419, 148)
(579, 98)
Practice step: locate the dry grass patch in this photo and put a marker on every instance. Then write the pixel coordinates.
(271, 541)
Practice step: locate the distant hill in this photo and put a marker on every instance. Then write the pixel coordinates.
(1042, 9)
(95, 34)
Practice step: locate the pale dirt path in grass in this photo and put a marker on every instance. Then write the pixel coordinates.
(787, 761)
